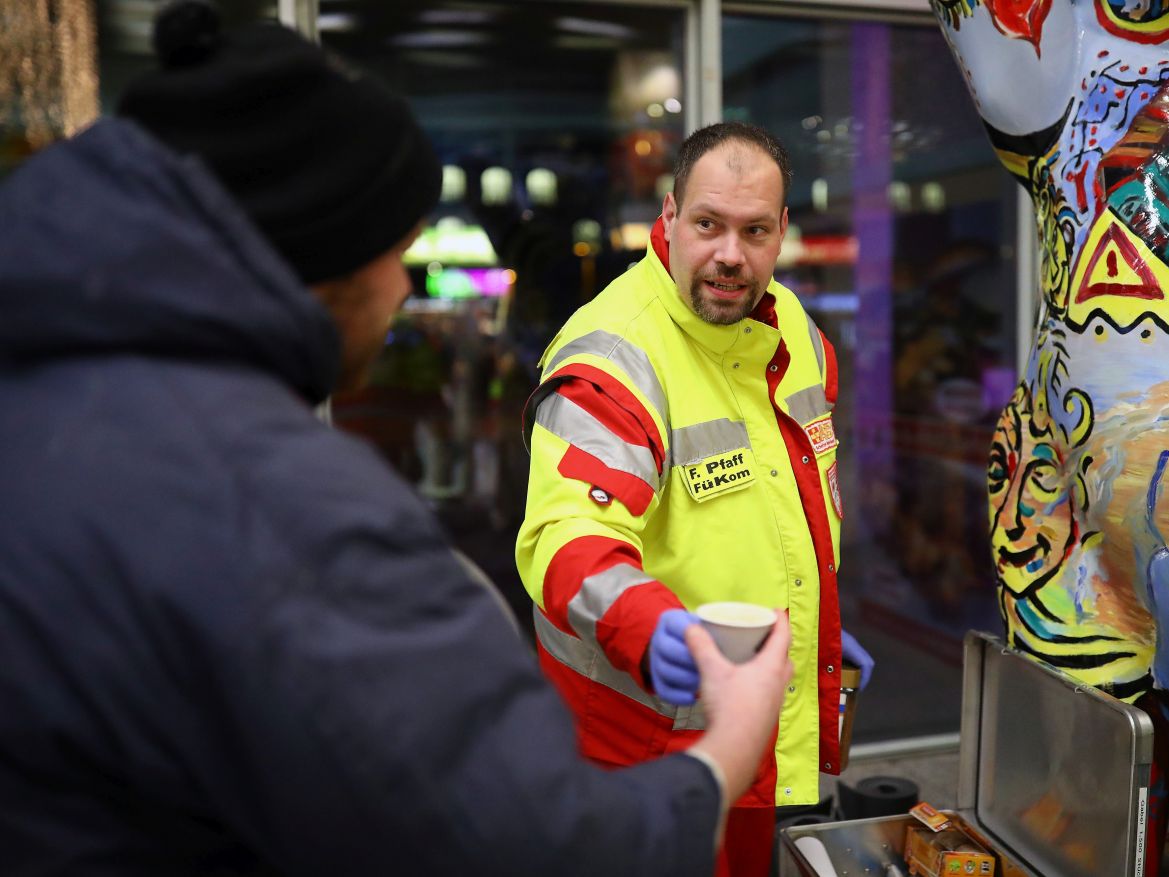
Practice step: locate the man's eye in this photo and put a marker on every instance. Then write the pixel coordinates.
(705, 224)
(757, 231)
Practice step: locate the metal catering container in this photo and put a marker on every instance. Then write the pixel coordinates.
(1053, 779)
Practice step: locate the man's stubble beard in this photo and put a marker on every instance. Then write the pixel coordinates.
(719, 314)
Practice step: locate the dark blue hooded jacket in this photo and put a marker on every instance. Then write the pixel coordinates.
(231, 640)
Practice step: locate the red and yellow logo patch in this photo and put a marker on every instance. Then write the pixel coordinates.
(821, 434)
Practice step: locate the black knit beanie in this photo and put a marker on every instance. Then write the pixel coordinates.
(330, 165)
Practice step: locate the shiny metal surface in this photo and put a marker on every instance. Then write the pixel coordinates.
(1052, 773)
(858, 847)
(1060, 766)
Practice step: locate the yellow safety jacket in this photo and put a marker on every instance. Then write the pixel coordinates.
(663, 475)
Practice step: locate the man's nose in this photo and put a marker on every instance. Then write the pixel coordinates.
(729, 254)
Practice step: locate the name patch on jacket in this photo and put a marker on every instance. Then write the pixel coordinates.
(821, 435)
(718, 474)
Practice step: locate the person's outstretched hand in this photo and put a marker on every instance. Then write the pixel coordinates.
(672, 670)
(855, 654)
(741, 702)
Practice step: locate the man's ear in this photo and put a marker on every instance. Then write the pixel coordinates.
(782, 226)
(669, 215)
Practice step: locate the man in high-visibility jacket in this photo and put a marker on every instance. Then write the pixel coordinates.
(683, 452)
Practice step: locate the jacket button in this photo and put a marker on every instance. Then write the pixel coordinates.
(788, 790)
(773, 368)
(746, 330)
(799, 582)
(831, 568)
(774, 472)
(736, 365)
(805, 459)
(791, 689)
(828, 765)
(830, 669)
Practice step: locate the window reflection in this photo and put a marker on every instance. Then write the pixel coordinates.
(557, 125)
(898, 224)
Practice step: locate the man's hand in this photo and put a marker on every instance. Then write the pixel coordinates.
(672, 670)
(855, 654)
(741, 701)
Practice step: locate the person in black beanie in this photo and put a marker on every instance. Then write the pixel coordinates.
(231, 640)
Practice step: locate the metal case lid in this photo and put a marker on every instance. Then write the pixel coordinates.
(1054, 770)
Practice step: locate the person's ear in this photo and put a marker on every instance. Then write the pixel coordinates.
(669, 215)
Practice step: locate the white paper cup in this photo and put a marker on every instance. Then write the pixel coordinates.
(737, 629)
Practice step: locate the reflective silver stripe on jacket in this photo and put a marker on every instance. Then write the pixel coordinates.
(808, 404)
(588, 661)
(564, 418)
(630, 358)
(817, 342)
(597, 593)
(689, 444)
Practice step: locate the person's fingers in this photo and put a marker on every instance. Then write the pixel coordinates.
(680, 677)
(706, 654)
(674, 651)
(677, 622)
(780, 638)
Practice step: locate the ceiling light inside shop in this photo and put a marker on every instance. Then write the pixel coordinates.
(642, 147)
(811, 123)
(933, 197)
(588, 232)
(595, 28)
(635, 235)
(541, 185)
(819, 194)
(336, 21)
(673, 105)
(641, 78)
(655, 111)
(495, 185)
(899, 196)
(454, 183)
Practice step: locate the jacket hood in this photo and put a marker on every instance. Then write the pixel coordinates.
(110, 243)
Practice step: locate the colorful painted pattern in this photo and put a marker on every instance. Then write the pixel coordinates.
(1078, 513)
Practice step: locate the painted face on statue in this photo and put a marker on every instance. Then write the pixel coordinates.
(726, 233)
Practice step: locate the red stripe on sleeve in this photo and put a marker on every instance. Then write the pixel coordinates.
(624, 631)
(573, 563)
(615, 392)
(580, 465)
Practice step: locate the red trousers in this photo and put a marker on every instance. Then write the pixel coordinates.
(747, 843)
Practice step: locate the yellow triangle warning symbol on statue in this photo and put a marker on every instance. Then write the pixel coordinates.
(1117, 273)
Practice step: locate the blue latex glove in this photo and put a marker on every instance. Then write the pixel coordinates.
(671, 668)
(856, 655)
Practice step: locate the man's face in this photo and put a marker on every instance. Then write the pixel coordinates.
(726, 234)
(362, 305)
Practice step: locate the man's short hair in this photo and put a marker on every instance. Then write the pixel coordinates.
(705, 139)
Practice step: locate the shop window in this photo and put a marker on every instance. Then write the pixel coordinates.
(902, 226)
(556, 123)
